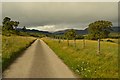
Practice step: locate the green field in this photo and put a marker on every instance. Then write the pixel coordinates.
(12, 46)
(84, 61)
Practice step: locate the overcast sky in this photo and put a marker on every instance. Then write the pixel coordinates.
(60, 15)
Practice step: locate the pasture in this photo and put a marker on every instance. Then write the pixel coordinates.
(84, 61)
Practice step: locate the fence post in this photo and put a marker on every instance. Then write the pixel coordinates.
(75, 42)
(83, 43)
(98, 52)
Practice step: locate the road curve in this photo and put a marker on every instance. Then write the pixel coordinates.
(38, 61)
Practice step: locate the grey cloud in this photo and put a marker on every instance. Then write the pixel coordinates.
(76, 14)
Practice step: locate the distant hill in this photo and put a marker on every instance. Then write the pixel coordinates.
(83, 32)
(37, 31)
(34, 31)
(116, 29)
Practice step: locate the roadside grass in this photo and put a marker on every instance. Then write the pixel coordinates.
(12, 47)
(0, 54)
(84, 61)
(110, 40)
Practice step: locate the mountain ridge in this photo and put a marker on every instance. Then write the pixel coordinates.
(61, 32)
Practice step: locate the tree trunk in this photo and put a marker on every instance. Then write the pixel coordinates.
(83, 43)
(63, 39)
(98, 52)
(59, 40)
(68, 41)
(75, 42)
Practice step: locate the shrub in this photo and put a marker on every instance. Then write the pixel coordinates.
(109, 40)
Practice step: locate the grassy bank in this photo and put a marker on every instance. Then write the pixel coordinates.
(12, 47)
(0, 52)
(84, 61)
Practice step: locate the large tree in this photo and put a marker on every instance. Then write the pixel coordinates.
(8, 24)
(99, 29)
(71, 34)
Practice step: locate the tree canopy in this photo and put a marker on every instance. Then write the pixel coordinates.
(70, 34)
(8, 24)
(24, 28)
(99, 29)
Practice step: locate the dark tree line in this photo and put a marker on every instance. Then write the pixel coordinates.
(8, 24)
(9, 28)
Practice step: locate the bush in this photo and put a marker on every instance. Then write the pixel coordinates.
(79, 37)
(109, 40)
(90, 37)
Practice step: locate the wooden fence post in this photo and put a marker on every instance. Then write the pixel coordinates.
(68, 41)
(75, 42)
(98, 52)
(83, 43)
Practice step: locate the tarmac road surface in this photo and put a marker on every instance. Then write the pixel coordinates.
(38, 61)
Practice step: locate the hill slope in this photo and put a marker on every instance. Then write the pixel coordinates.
(82, 32)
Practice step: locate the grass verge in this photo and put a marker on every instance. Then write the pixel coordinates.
(12, 47)
(84, 61)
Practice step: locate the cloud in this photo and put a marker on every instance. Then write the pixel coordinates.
(61, 14)
(0, 13)
(50, 28)
(44, 28)
(59, 0)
